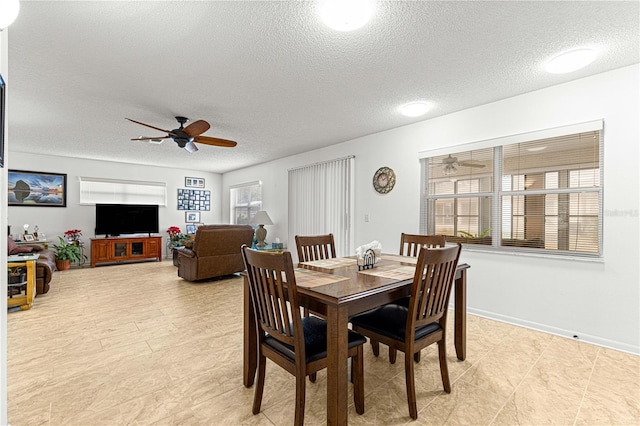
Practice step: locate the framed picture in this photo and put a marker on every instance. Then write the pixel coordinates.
(192, 182)
(1, 122)
(28, 237)
(37, 189)
(194, 199)
(192, 217)
(191, 228)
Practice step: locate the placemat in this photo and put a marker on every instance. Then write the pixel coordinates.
(398, 258)
(397, 272)
(308, 279)
(337, 262)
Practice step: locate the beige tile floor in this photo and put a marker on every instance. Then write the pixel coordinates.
(135, 344)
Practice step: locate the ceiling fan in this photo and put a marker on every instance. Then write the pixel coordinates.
(450, 165)
(186, 137)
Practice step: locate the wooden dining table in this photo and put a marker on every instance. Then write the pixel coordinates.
(336, 289)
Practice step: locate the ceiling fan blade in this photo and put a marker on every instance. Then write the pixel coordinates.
(152, 127)
(197, 128)
(190, 147)
(464, 164)
(207, 140)
(148, 138)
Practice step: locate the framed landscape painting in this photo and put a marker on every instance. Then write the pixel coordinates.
(37, 189)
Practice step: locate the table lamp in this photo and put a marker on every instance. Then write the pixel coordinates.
(261, 218)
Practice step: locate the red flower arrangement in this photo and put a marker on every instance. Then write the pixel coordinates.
(73, 234)
(175, 234)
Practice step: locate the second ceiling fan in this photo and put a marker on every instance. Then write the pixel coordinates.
(186, 137)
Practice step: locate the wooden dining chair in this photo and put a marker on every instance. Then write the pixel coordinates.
(297, 344)
(410, 245)
(315, 247)
(423, 322)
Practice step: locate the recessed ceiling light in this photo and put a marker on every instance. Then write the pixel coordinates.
(415, 109)
(346, 15)
(570, 61)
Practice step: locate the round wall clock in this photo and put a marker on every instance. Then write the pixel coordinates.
(383, 180)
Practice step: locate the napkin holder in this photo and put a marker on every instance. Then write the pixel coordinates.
(368, 260)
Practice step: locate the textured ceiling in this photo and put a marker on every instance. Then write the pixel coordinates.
(272, 77)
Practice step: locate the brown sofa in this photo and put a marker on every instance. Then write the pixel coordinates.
(215, 252)
(45, 265)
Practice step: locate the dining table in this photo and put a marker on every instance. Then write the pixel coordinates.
(337, 289)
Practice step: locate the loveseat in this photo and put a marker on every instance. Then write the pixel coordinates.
(215, 252)
(45, 265)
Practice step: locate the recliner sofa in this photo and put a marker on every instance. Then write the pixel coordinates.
(215, 252)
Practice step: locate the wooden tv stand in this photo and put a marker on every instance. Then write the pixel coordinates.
(117, 249)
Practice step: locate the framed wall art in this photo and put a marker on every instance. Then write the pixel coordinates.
(37, 189)
(194, 199)
(192, 217)
(192, 182)
(191, 228)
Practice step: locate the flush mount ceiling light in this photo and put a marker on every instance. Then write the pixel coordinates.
(415, 109)
(346, 15)
(570, 61)
(8, 12)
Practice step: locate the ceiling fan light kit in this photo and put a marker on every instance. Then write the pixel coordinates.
(185, 137)
(9, 10)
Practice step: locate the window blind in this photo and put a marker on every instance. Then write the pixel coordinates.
(117, 191)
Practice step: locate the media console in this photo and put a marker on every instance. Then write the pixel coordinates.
(117, 249)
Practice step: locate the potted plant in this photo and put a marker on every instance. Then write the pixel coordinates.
(73, 236)
(66, 253)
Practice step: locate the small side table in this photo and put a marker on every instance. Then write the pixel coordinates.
(24, 301)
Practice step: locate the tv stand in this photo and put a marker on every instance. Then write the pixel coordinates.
(122, 249)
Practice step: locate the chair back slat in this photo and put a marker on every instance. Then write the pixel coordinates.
(432, 284)
(315, 247)
(274, 296)
(410, 244)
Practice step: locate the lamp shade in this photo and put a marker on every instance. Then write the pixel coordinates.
(8, 12)
(261, 218)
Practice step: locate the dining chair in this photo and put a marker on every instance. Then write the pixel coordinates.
(424, 322)
(297, 344)
(315, 247)
(410, 245)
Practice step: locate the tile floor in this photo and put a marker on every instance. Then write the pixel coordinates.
(135, 344)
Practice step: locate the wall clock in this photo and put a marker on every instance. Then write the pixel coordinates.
(384, 180)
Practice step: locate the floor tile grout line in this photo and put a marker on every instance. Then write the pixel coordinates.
(586, 388)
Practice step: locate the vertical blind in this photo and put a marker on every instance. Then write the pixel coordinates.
(541, 194)
(321, 199)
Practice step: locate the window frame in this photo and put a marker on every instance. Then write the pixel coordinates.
(499, 193)
(250, 206)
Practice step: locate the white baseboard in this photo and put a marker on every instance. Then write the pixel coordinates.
(612, 344)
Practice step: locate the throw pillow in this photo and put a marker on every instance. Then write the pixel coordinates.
(21, 249)
(11, 245)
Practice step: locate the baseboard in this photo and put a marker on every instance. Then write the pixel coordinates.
(595, 340)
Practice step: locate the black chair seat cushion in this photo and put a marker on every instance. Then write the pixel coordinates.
(391, 320)
(315, 340)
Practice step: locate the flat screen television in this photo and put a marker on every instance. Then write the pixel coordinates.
(118, 219)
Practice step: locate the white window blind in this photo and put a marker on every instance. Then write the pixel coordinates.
(541, 195)
(321, 199)
(117, 191)
(245, 202)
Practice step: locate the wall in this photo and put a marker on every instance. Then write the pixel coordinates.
(597, 301)
(53, 221)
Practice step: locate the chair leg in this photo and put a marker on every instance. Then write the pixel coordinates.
(375, 347)
(301, 382)
(416, 356)
(313, 377)
(444, 368)
(259, 386)
(411, 386)
(357, 376)
(393, 353)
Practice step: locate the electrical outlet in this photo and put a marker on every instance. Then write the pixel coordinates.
(366, 218)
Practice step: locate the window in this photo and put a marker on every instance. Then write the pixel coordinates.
(536, 194)
(118, 191)
(245, 202)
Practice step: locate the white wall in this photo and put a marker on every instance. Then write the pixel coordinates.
(597, 301)
(53, 221)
